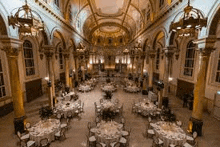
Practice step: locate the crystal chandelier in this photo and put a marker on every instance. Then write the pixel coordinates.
(190, 23)
(27, 20)
(80, 48)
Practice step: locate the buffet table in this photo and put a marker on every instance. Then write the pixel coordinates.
(44, 129)
(170, 133)
(107, 132)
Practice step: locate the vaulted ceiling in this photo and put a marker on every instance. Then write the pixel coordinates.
(109, 19)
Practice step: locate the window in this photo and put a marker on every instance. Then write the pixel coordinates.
(61, 58)
(218, 71)
(2, 83)
(57, 3)
(148, 15)
(158, 59)
(70, 13)
(28, 58)
(161, 3)
(189, 60)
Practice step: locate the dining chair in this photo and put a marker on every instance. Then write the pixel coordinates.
(100, 144)
(30, 143)
(69, 114)
(61, 134)
(44, 142)
(27, 125)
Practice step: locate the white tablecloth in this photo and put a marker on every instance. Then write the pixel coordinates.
(67, 106)
(44, 129)
(108, 132)
(170, 133)
(132, 88)
(84, 88)
(108, 87)
(152, 96)
(146, 107)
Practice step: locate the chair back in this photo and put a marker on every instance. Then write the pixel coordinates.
(149, 119)
(195, 135)
(89, 125)
(28, 125)
(19, 135)
(58, 115)
(62, 132)
(44, 142)
(23, 143)
(117, 144)
(69, 114)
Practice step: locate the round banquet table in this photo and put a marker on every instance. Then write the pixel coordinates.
(111, 105)
(108, 88)
(170, 133)
(67, 106)
(107, 132)
(44, 129)
(146, 107)
(84, 88)
(132, 89)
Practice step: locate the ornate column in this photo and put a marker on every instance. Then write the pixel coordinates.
(142, 63)
(169, 51)
(67, 70)
(205, 46)
(12, 48)
(132, 64)
(152, 54)
(76, 66)
(49, 52)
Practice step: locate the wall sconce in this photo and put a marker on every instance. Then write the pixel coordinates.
(48, 81)
(170, 79)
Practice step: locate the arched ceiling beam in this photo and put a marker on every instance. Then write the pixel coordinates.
(108, 24)
(126, 12)
(142, 17)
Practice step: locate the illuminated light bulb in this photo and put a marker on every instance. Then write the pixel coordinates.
(189, 26)
(178, 28)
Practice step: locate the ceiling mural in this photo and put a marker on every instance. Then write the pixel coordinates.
(111, 22)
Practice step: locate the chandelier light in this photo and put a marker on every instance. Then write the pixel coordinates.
(80, 48)
(27, 20)
(190, 23)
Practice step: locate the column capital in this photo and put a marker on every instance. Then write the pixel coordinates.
(152, 53)
(48, 50)
(206, 45)
(11, 46)
(66, 55)
(169, 51)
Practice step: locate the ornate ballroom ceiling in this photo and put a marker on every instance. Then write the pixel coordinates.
(109, 22)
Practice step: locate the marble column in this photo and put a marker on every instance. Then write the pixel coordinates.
(12, 48)
(142, 64)
(67, 70)
(49, 52)
(169, 51)
(152, 54)
(205, 46)
(76, 67)
(132, 64)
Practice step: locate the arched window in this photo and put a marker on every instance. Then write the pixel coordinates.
(158, 59)
(61, 58)
(148, 13)
(2, 83)
(161, 3)
(57, 3)
(189, 59)
(29, 58)
(70, 13)
(218, 70)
